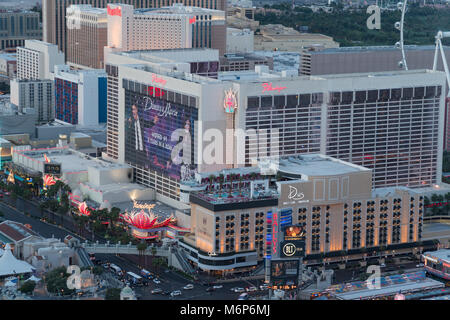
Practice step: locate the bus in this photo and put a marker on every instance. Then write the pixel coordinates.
(147, 274)
(116, 269)
(134, 278)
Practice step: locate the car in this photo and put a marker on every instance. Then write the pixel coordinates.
(157, 281)
(382, 265)
(175, 293)
(188, 287)
(251, 289)
(420, 265)
(210, 289)
(218, 286)
(243, 296)
(264, 287)
(239, 290)
(156, 291)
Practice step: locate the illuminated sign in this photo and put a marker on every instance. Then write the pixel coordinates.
(52, 168)
(284, 272)
(192, 20)
(114, 12)
(294, 194)
(230, 102)
(268, 87)
(294, 242)
(157, 79)
(275, 233)
(158, 92)
(143, 206)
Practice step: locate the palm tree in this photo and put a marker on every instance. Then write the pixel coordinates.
(212, 178)
(221, 178)
(447, 200)
(113, 215)
(142, 246)
(231, 183)
(240, 185)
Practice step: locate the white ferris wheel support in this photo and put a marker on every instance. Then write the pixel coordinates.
(399, 26)
(440, 35)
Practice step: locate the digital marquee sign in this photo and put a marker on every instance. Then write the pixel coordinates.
(293, 244)
(154, 127)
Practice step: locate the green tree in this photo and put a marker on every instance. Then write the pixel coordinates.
(112, 294)
(56, 281)
(27, 287)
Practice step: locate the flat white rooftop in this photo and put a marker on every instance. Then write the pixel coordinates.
(443, 254)
(71, 160)
(317, 165)
(390, 290)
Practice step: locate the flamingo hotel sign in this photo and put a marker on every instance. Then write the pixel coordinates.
(230, 103)
(269, 87)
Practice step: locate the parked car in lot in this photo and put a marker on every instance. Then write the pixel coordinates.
(175, 293)
(157, 281)
(156, 291)
(218, 286)
(188, 287)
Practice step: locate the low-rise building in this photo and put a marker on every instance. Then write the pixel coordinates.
(239, 40)
(236, 223)
(275, 37)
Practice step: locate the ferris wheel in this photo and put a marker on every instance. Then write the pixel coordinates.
(399, 25)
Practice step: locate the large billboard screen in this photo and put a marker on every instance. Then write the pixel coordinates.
(155, 129)
(293, 242)
(284, 272)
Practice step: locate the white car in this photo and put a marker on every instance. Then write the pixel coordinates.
(175, 293)
(420, 265)
(188, 287)
(251, 289)
(263, 287)
(239, 290)
(382, 265)
(218, 286)
(157, 281)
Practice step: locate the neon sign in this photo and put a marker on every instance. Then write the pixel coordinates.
(114, 12)
(230, 102)
(143, 206)
(274, 232)
(268, 87)
(157, 79)
(158, 92)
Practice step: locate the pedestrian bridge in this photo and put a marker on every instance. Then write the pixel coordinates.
(125, 249)
(174, 257)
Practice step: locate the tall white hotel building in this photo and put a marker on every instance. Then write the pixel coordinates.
(177, 26)
(390, 122)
